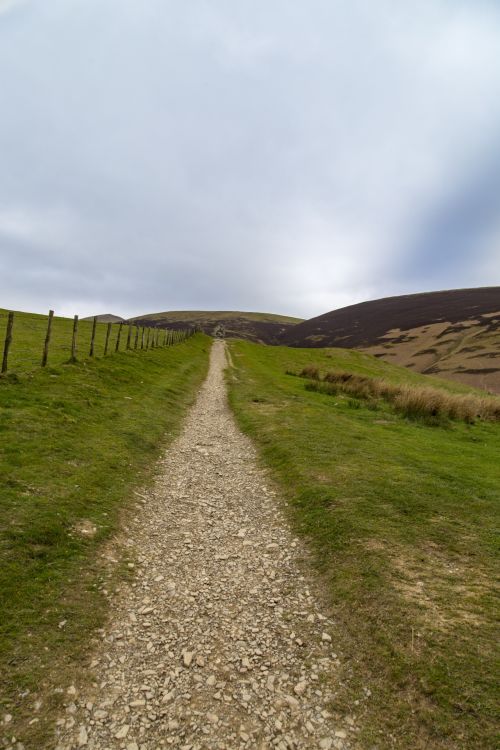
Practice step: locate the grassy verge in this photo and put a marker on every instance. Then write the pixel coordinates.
(75, 440)
(401, 516)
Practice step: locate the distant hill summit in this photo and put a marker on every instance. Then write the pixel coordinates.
(453, 333)
(106, 318)
(265, 328)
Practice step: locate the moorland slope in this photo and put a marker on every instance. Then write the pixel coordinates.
(454, 334)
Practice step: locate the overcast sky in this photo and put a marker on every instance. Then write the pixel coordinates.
(288, 156)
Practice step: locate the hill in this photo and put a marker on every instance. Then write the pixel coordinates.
(265, 328)
(454, 334)
(106, 318)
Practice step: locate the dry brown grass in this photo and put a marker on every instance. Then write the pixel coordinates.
(310, 371)
(412, 401)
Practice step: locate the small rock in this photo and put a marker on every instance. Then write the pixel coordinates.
(292, 702)
(187, 658)
(300, 688)
(326, 637)
(82, 737)
(213, 718)
(122, 732)
(326, 743)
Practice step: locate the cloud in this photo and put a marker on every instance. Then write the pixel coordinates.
(50, 227)
(250, 155)
(8, 5)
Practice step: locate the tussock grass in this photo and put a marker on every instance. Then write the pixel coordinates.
(310, 371)
(412, 401)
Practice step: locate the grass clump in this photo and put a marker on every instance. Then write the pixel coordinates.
(402, 524)
(310, 371)
(412, 401)
(75, 442)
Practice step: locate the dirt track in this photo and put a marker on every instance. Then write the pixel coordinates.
(219, 642)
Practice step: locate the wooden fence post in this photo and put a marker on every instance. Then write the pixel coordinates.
(108, 334)
(8, 341)
(74, 339)
(165, 338)
(117, 346)
(45, 354)
(129, 335)
(92, 336)
(136, 342)
(147, 339)
(142, 338)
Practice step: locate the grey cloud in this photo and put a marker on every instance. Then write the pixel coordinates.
(280, 156)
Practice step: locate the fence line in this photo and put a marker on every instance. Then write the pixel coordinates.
(31, 341)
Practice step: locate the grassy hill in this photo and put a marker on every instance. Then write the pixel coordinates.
(455, 334)
(264, 328)
(29, 331)
(106, 318)
(400, 514)
(76, 440)
(28, 338)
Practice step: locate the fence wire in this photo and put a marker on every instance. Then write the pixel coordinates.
(29, 333)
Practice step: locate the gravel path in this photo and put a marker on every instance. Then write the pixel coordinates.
(219, 642)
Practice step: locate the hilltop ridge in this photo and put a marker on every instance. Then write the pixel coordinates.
(265, 328)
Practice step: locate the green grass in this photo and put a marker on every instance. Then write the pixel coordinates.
(28, 337)
(220, 315)
(74, 442)
(401, 517)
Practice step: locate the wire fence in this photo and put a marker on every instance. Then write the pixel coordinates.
(30, 341)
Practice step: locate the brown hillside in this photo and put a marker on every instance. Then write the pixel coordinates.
(454, 334)
(265, 328)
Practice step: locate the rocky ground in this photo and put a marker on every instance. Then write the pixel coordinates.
(219, 641)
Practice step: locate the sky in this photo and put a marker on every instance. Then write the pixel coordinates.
(271, 155)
